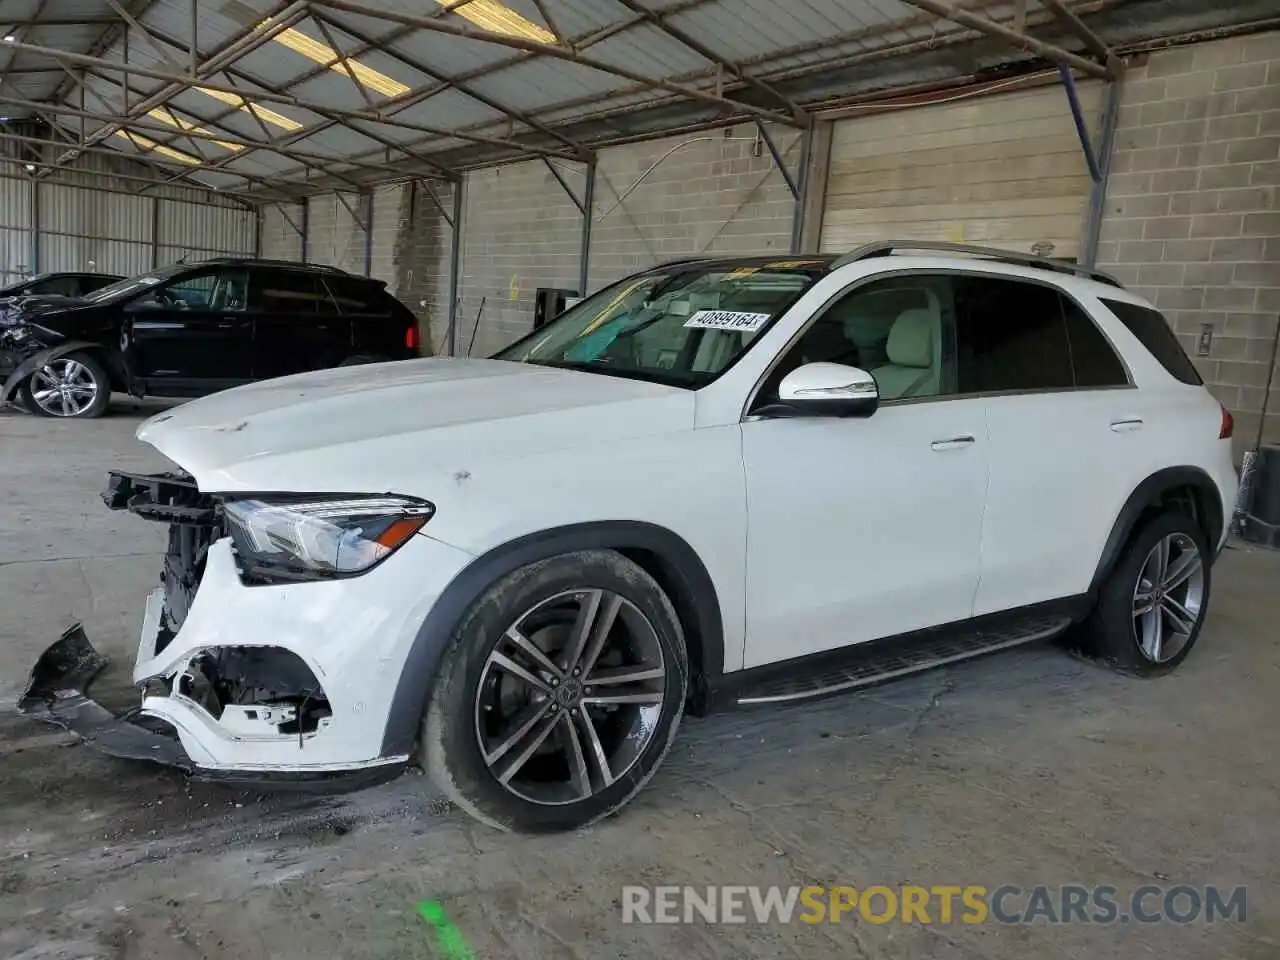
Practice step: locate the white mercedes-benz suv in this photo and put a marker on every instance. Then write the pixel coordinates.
(717, 482)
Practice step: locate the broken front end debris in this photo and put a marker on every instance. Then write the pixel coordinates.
(250, 696)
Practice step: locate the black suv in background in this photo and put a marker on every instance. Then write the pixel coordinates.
(66, 284)
(192, 329)
(52, 285)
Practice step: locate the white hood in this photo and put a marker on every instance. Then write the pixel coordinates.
(396, 426)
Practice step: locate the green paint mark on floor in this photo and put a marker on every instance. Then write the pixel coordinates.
(449, 938)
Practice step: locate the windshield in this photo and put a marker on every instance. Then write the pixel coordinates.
(682, 325)
(123, 288)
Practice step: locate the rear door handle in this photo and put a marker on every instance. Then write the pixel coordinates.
(1127, 426)
(953, 443)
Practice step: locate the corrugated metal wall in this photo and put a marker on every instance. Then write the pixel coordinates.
(198, 232)
(85, 221)
(16, 253)
(83, 229)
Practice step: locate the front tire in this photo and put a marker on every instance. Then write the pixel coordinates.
(559, 696)
(74, 387)
(1152, 606)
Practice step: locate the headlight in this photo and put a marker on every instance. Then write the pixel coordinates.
(316, 539)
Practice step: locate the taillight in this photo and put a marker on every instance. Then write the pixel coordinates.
(1228, 425)
(412, 337)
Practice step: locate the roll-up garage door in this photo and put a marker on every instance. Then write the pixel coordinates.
(1002, 170)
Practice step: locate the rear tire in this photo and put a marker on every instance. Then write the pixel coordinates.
(520, 740)
(74, 387)
(1153, 603)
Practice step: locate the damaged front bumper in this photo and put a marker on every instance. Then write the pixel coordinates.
(286, 684)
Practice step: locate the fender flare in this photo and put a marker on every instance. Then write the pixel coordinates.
(1148, 494)
(40, 358)
(683, 574)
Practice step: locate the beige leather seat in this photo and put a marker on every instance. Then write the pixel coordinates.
(915, 356)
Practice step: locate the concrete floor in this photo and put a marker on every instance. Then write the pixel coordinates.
(1028, 768)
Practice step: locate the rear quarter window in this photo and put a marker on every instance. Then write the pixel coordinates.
(1154, 332)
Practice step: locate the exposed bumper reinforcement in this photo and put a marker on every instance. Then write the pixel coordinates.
(57, 693)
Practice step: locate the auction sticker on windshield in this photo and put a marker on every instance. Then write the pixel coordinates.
(727, 320)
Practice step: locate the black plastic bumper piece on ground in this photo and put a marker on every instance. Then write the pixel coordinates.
(57, 694)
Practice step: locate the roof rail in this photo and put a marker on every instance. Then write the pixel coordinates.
(884, 248)
(267, 262)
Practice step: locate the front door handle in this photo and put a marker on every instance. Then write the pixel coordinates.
(954, 443)
(1127, 426)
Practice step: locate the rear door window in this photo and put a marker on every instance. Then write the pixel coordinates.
(353, 295)
(1011, 336)
(1153, 330)
(289, 292)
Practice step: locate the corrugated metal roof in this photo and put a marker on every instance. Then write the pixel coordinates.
(482, 84)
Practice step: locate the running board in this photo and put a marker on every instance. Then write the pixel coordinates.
(882, 660)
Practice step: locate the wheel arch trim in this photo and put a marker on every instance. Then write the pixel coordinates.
(417, 675)
(1147, 494)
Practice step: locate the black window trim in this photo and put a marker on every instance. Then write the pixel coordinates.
(748, 416)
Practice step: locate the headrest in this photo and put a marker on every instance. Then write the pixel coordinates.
(911, 338)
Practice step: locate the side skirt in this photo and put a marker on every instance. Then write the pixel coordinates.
(879, 661)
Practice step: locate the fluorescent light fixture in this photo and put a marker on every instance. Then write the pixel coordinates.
(326, 56)
(10, 38)
(172, 119)
(150, 146)
(499, 18)
(253, 109)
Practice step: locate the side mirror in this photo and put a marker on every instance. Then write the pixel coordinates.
(828, 390)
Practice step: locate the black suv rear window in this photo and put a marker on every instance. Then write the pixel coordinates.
(1153, 330)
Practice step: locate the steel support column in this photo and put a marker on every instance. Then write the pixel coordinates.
(588, 213)
(1098, 195)
(801, 196)
(306, 227)
(455, 265)
(35, 226)
(155, 232)
(368, 234)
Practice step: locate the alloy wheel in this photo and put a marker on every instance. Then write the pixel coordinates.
(64, 388)
(1168, 598)
(570, 697)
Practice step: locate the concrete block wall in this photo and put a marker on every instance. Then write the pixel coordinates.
(280, 239)
(713, 192)
(1191, 220)
(420, 259)
(334, 236)
(520, 232)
